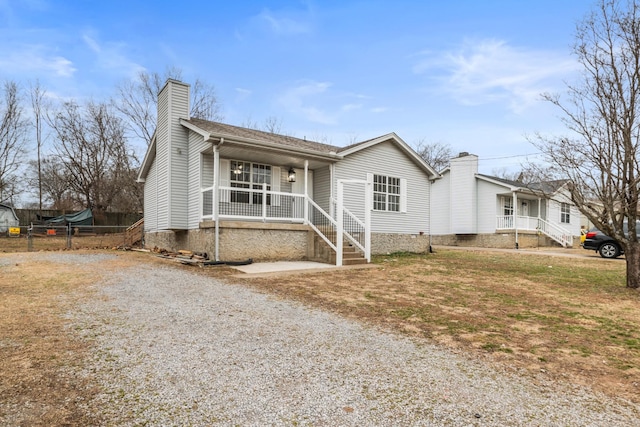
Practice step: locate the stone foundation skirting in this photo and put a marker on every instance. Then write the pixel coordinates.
(238, 241)
(506, 240)
(268, 242)
(384, 243)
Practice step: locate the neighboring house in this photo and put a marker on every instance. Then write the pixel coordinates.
(469, 208)
(8, 218)
(240, 193)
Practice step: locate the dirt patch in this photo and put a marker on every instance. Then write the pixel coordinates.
(571, 319)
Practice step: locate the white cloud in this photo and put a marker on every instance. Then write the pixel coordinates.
(111, 56)
(492, 71)
(351, 107)
(379, 110)
(284, 24)
(35, 59)
(243, 93)
(300, 100)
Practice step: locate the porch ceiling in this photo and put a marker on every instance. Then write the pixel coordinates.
(270, 156)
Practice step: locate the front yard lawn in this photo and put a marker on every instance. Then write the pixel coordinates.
(567, 318)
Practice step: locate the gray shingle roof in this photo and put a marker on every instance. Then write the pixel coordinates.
(545, 186)
(231, 131)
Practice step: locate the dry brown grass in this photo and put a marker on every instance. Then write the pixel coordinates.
(53, 243)
(37, 353)
(572, 319)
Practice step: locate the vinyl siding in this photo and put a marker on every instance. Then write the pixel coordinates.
(179, 157)
(200, 175)
(554, 214)
(387, 159)
(322, 188)
(463, 195)
(162, 161)
(151, 199)
(441, 205)
(489, 205)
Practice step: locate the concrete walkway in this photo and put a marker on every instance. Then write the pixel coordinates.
(259, 269)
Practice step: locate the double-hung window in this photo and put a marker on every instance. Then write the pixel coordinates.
(565, 213)
(386, 193)
(507, 206)
(250, 176)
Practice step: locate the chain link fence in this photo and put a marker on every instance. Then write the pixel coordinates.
(60, 237)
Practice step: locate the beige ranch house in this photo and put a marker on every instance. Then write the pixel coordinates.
(472, 209)
(238, 193)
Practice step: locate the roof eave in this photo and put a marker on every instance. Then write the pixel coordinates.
(149, 157)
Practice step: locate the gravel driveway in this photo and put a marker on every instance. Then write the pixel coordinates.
(177, 348)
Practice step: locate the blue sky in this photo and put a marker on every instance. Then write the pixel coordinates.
(464, 72)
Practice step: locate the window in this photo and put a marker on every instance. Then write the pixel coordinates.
(386, 193)
(565, 213)
(507, 206)
(250, 176)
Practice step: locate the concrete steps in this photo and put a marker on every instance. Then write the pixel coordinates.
(323, 253)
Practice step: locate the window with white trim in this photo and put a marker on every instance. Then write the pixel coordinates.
(507, 206)
(250, 176)
(386, 193)
(565, 213)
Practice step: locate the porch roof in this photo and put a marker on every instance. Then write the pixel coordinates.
(544, 188)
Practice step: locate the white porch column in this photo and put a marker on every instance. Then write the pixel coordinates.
(306, 191)
(332, 175)
(340, 223)
(216, 196)
(515, 216)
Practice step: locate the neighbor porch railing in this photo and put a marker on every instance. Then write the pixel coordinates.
(505, 222)
(559, 234)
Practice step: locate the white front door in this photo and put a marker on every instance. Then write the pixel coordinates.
(524, 211)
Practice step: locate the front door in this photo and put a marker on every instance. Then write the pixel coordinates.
(524, 211)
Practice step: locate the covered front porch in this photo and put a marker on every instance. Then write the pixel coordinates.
(242, 182)
(525, 212)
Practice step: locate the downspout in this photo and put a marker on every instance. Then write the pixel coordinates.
(515, 216)
(216, 190)
(306, 191)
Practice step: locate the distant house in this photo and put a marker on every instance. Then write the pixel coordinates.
(240, 193)
(469, 208)
(8, 218)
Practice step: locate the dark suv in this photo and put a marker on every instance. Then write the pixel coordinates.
(606, 246)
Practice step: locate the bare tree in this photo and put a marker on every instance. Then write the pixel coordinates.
(436, 154)
(13, 132)
(271, 124)
(600, 154)
(526, 175)
(37, 104)
(137, 100)
(92, 147)
(52, 175)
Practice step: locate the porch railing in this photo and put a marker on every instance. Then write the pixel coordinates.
(505, 222)
(322, 223)
(267, 205)
(354, 229)
(559, 234)
(254, 204)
